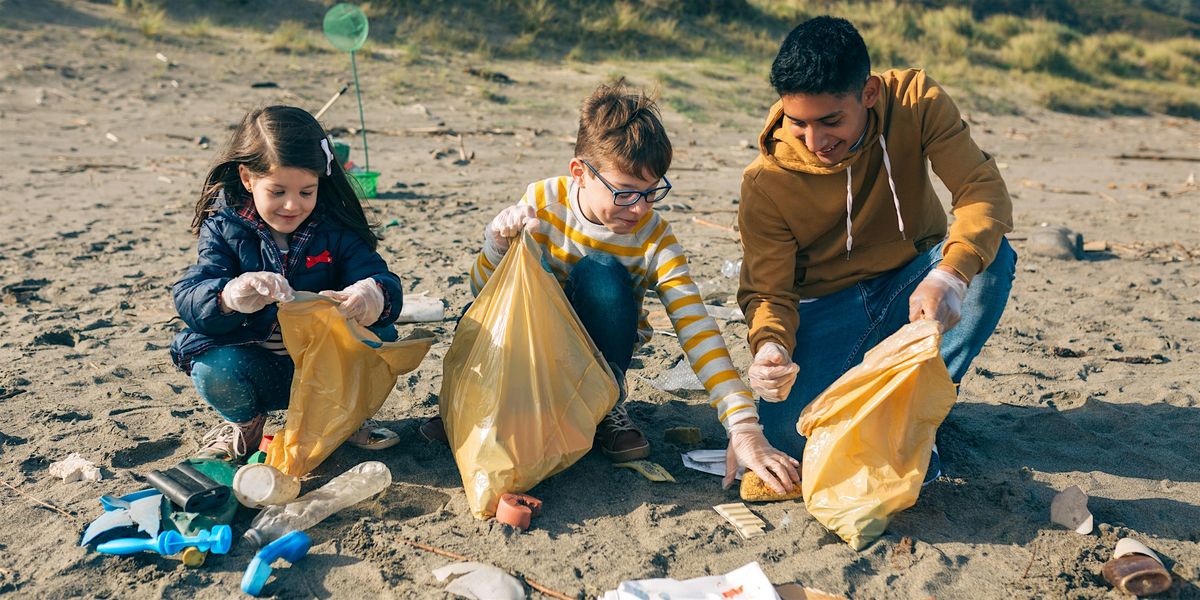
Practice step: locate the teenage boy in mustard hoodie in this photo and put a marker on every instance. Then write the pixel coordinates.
(844, 239)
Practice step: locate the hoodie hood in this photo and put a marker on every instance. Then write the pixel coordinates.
(781, 148)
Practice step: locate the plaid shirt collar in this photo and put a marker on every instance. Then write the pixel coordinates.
(296, 244)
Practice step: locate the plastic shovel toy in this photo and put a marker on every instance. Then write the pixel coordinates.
(291, 547)
(167, 543)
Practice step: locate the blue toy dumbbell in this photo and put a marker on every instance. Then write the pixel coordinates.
(217, 540)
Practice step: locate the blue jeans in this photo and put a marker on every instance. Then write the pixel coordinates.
(242, 382)
(601, 292)
(837, 330)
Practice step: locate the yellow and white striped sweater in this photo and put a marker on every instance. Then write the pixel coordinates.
(653, 258)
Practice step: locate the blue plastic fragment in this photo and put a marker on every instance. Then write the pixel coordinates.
(110, 503)
(291, 547)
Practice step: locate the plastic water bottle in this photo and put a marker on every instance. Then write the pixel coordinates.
(355, 485)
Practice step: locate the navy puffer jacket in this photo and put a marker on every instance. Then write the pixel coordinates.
(325, 257)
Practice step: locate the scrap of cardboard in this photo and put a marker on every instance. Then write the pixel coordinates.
(747, 524)
(649, 470)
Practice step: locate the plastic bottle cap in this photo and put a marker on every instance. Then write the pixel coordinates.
(254, 537)
(192, 557)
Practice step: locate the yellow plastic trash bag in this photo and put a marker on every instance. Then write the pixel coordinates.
(523, 385)
(870, 434)
(343, 375)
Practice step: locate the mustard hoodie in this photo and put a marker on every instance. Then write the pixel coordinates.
(797, 239)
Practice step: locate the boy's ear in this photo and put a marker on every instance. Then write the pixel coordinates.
(577, 170)
(244, 174)
(871, 91)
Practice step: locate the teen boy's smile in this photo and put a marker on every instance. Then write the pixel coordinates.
(829, 124)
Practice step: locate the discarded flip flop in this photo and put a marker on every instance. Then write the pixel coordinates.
(649, 470)
(1136, 569)
(518, 510)
(373, 437)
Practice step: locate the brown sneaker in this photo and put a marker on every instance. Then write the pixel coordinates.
(232, 441)
(619, 439)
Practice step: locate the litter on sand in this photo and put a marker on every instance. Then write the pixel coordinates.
(748, 525)
(1069, 509)
(747, 582)
(680, 377)
(707, 461)
(478, 581)
(650, 470)
(421, 308)
(74, 468)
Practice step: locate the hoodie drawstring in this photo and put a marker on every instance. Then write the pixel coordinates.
(887, 168)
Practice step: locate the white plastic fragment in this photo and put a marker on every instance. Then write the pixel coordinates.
(744, 583)
(478, 581)
(74, 468)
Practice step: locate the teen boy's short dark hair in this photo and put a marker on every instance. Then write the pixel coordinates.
(824, 55)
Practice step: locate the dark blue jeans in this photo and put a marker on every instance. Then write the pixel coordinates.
(242, 382)
(601, 292)
(837, 330)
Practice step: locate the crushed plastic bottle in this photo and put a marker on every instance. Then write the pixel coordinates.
(731, 269)
(355, 485)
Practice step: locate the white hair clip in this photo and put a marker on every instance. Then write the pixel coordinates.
(328, 157)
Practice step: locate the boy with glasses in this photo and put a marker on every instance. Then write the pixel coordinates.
(606, 246)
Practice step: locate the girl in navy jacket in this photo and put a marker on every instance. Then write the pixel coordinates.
(276, 214)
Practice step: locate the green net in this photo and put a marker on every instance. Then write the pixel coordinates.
(346, 27)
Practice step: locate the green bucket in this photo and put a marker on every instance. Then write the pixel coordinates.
(364, 183)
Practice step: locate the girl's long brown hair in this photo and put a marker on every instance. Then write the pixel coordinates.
(281, 136)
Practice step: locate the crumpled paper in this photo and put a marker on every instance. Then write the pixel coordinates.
(74, 468)
(478, 581)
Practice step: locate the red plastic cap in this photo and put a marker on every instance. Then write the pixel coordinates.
(266, 442)
(517, 510)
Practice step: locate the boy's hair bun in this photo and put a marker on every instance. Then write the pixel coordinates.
(621, 129)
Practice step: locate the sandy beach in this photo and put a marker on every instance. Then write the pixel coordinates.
(1091, 378)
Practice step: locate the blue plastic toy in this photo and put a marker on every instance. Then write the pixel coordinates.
(291, 547)
(217, 540)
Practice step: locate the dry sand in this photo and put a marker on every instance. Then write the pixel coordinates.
(95, 232)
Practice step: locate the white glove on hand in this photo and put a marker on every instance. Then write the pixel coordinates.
(939, 296)
(509, 223)
(772, 373)
(748, 447)
(251, 292)
(361, 301)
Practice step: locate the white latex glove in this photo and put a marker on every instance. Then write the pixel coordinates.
(939, 297)
(509, 223)
(772, 373)
(251, 292)
(748, 447)
(361, 301)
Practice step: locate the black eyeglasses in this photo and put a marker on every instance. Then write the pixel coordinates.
(631, 197)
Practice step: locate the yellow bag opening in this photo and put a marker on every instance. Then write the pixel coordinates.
(523, 385)
(343, 375)
(870, 434)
